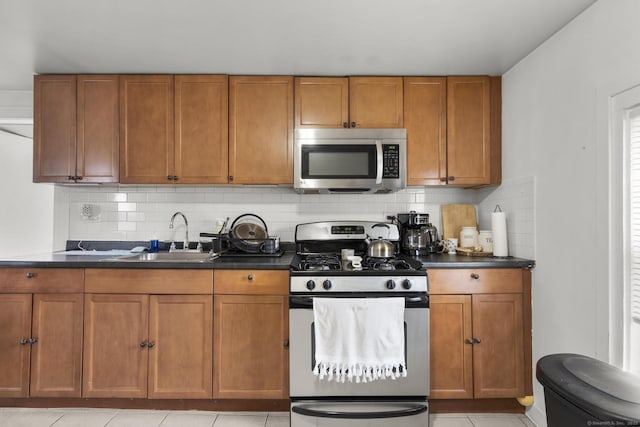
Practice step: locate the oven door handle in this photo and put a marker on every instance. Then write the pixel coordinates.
(421, 301)
(367, 415)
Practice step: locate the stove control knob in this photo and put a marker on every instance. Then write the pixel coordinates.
(311, 285)
(326, 284)
(407, 284)
(391, 284)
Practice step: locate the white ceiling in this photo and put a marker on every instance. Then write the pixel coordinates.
(293, 37)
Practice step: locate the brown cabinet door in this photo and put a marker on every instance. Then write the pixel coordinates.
(322, 102)
(180, 352)
(451, 355)
(15, 332)
(498, 354)
(54, 129)
(56, 359)
(425, 118)
(201, 129)
(261, 130)
(146, 129)
(250, 345)
(115, 358)
(376, 102)
(97, 129)
(469, 130)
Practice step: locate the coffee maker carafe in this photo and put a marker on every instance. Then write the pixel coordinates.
(419, 236)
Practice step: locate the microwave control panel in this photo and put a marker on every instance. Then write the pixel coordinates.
(391, 161)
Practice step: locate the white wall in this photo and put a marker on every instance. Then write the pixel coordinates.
(555, 128)
(26, 217)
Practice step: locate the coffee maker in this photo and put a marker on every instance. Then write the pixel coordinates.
(418, 235)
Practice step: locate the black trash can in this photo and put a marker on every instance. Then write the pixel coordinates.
(582, 391)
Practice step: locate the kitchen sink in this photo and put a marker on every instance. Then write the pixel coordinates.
(166, 257)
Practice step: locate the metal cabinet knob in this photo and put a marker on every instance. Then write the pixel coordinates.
(477, 340)
(444, 179)
(250, 277)
(143, 344)
(345, 124)
(24, 341)
(452, 178)
(469, 341)
(151, 344)
(30, 275)
(475, 276)
(33, 340)
(286, 344)
(353, 124)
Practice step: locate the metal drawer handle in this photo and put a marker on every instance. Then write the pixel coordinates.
(475, 276)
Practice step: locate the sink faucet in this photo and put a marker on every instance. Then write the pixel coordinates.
(185, 245)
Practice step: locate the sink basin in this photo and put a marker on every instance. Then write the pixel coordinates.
(166, 257)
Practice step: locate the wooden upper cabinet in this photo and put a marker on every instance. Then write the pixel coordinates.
(146, 129)
(348, 102)
(376, 102)
(98, 149)
(473, 130)
(54, 133)
(201, 129)
(322, 102)
(76, 128)
(425, 118)
(261, 130)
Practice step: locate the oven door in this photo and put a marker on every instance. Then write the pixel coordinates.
(359, 413)
(303, 383)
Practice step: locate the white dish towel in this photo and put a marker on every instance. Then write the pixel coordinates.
(359, 339)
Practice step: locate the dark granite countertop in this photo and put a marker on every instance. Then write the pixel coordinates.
(465, 261)
(90, 259)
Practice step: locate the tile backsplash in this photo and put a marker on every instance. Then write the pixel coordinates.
(143, 212)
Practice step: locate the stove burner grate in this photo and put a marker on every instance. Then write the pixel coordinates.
(320, 263)
(386, 264)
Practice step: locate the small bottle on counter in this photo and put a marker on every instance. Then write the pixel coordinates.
(468, 237)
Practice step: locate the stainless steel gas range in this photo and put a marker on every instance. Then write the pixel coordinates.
(319, 271)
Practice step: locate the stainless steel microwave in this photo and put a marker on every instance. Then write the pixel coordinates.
(349, 160)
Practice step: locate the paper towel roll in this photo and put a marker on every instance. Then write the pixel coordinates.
(499, 231)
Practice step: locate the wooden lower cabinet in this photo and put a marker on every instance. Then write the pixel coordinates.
(115, 353)
(478, 347)
(40, 345)
(251, 330)
(15, 326)
(156, 346)
(180, 363)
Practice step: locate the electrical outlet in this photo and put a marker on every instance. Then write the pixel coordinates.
(90, 212)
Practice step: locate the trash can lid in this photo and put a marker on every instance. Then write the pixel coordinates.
(600, 389)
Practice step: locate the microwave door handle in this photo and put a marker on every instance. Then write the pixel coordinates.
(379, 163)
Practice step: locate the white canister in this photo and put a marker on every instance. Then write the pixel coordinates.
(485, 239)
(468, 237)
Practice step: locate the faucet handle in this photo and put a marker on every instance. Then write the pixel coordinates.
(172, 248)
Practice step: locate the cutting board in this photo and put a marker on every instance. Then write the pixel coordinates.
(454, 217)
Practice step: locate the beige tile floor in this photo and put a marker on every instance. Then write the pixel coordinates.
(83, 417)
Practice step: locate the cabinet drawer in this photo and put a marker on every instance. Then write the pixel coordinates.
(475, 281)
(41, 280)
(148, 281)
(235, 282)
